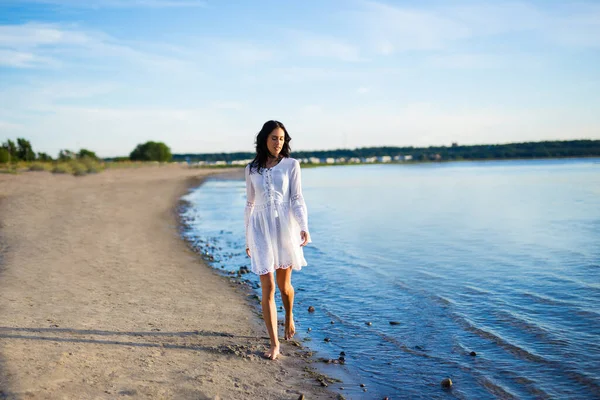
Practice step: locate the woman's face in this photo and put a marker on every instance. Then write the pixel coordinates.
(275, 141)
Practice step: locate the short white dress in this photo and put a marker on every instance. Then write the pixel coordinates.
(275, 215)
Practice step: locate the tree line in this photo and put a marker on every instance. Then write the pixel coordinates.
(545, 149)
(22, 150)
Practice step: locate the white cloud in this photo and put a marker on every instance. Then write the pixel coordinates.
(52, 45)
(306, 44)
(31, 35)
(393, 29)
(118, 3)
(482, 61)
(363, 90)
(21, 59)
(387, 29)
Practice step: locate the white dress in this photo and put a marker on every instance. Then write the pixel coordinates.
(275, 214)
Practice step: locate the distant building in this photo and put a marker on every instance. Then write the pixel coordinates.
(241, 162)
(384, 159)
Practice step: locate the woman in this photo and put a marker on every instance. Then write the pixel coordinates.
(276, 224)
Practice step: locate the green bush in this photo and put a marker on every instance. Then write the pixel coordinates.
(37, 166)
(62, 168)
(92, 166)
(78, 168)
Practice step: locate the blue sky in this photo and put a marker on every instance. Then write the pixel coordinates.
(203, 76)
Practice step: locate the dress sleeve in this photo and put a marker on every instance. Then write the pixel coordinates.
(249, 201)
(298, 205)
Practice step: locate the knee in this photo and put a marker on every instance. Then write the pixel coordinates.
(268, 289)
(286, 289)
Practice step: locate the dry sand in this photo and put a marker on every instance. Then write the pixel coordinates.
(101, 299)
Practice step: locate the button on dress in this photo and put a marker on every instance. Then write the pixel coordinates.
(275, 215)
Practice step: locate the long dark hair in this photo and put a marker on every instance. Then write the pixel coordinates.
(262, 152)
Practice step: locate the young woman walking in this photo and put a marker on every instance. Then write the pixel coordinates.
(276, 224)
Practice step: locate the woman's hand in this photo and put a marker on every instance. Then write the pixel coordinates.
(305, 237)
(248, 251)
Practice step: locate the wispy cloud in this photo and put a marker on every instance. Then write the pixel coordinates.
(391, 29)
(116, 3)
(20, 59)
(481, 61)
(51, 45)
(311, 45)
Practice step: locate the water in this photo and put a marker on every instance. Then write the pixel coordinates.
(501, 258)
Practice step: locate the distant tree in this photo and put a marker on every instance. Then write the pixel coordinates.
(151, 151)
(44, 157)
(11, 147)
(66, 155)
(24, 150)
(83, 153)
(4, 156)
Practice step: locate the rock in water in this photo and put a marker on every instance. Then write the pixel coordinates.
(369, 323)
(473, 353)
(311, 309)
(394, 323)
(446, 383)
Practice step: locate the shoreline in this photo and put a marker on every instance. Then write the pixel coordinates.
(246, 288)
(100, 296)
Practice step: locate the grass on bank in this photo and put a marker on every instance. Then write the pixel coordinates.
(76, 167)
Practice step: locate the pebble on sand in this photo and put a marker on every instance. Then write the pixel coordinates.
(446, 383)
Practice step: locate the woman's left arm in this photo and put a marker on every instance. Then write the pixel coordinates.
(298, 205)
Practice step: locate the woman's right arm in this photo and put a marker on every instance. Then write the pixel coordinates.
(249, 202)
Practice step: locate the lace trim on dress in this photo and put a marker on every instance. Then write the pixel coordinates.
(280, 266)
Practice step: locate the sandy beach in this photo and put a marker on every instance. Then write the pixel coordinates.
(100, 298)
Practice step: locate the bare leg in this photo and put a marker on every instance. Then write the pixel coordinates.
(267, 282)
(284, 281)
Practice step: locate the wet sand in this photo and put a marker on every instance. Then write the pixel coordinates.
(100, 298)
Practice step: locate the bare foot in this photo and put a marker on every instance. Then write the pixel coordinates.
(273, 352)
(290, 328)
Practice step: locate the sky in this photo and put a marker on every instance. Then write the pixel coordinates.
(203, 76)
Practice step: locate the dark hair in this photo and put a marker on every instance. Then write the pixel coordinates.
(262, 152)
